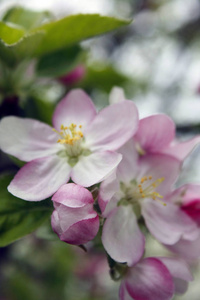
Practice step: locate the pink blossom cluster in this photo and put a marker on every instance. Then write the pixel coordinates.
(132, 166)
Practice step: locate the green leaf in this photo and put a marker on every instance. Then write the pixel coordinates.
(10, 34)
(18, 217)
(72, 29)
(26, 18)
(58, 63)
(23, 49)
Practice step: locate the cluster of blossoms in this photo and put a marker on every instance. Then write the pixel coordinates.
(122, 174)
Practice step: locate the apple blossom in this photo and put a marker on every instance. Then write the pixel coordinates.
(187, 197)
(74, 220)
(156, 133)
(138, 189)
(155, 278)
(82, 145)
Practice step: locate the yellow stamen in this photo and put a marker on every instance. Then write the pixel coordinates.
(69, 135)
(149, 191)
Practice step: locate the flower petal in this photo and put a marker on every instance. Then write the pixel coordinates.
(155, 132)
(76, 107)
(187, 193)
(181, 286)
(180, 272)
(113, 126)
(95, 167)
(116, 95)
(123, 293)
(188, 197)
(107, 190)
(159, 166)
(128, 167)
(73, 195)
(187, 249)
(81, 232)
(168, 223)
(180, 150)
(40, 178)
(121, 236)
(150, 280)
(27, 139)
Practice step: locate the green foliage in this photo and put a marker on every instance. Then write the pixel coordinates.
(18, 217)
(23, 49)
(26, 18)
(10, 34)
(22, 40)
(64, 60)
(73, 29)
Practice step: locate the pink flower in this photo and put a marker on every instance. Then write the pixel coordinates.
(139, 188)
(74, 220)
(156, 134)
(155, 279)
(82, 146)
(187, 197)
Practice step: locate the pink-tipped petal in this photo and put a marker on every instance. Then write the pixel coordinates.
(160, 166)
(150, 280)
(188, 197)
(40, 178)
(180, 272)
(27, 139)
(155, 132)
(113, 126)
(72, 195)
(76, 107)
(74, 219)
(187, 193)
(81, 232)
(168, 223)
(121, 236)
(180, 150)
(95, 167)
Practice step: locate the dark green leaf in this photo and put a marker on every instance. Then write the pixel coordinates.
(18, 217)
(26, 18)
(72, 29)
(58, 63)
(23, 49)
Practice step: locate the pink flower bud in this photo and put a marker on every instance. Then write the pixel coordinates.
(74, 76)
(74, 219)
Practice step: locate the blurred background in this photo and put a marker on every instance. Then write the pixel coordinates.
(156, 60)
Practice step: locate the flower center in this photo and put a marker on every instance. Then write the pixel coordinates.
(135, 192)
(71, 137)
